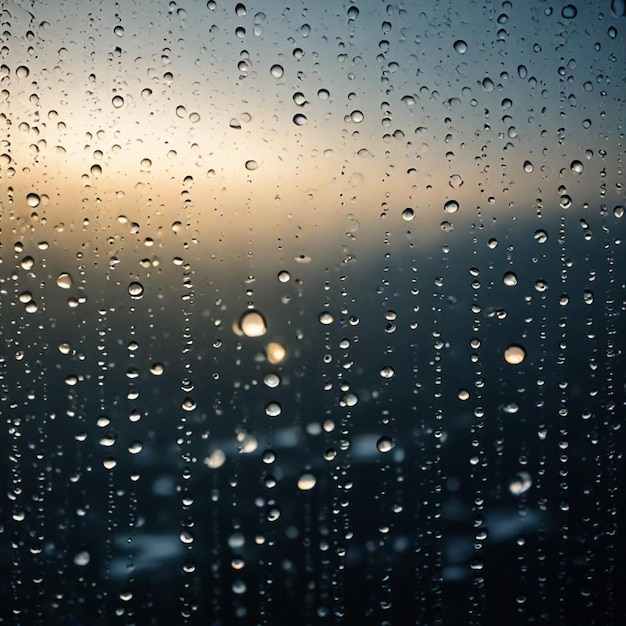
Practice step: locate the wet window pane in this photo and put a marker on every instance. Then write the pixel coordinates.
(312, 313)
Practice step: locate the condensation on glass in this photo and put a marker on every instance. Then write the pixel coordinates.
(312, 312)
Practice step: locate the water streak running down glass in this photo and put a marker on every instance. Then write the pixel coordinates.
(312, 313)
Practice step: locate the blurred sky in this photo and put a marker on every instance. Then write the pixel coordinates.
(152, 111)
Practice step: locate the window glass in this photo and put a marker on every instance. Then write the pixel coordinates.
(312, 312)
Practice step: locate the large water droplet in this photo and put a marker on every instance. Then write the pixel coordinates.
(252, 324)
(514, 354)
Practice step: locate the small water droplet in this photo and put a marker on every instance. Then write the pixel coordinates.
(357, 116)
(387, 372)
(64, 281)
(27, 263)
(251, 165)
(326, 318)
(569, 11)
(33, 200)
(577, 167)
(82, 558)
(109, 463)
(385, 444)
(135, 447)
(510, 279)
(135, 290)
(117, 102)
(451, 206)
(460, 46)
(299, 119)
(273, 409)
(271, 380)
(306, 481)
(277, 71)
(408, 214)
(350, 399)
(528, 167)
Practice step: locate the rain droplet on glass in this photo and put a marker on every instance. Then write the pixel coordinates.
(326, 318)
(460, 46)
(33, 200)
(64, 281)
(252, 324)
(135, 290)
(385, 444)
(514, 354)
(451, 206)
(277, 71)
(306, 481)
(273, 409)
(509, 279)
